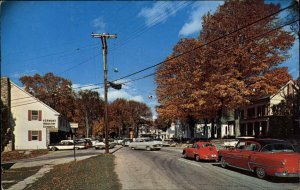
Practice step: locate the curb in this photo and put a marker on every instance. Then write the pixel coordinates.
(116, 150)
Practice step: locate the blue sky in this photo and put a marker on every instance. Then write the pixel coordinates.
(41, 37)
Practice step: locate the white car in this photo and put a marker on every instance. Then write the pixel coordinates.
(66, 145)
(232, 143)
(145, 144)
(101, 145)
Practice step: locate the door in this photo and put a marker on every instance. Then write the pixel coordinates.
(234, 156)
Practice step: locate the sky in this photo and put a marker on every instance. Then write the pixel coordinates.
(42, 37)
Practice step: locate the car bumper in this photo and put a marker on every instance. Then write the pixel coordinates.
(286, 174)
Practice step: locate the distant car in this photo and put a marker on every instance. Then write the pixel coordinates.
(126, 141)
(66, 145)
(87, 141)
(118, 141)
(232, 143)
(145, 144)
(101, 145)
(264, 157)
(169, 143)
(201, 151)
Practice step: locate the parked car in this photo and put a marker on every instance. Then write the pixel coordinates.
(201, 151)
(264, 157)
(170, 143)
(145, 144)
(126, 141)
(118, 141)
(66, 145)
(101, 145)
(233, 142)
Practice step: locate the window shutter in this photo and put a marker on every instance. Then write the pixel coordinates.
(40, 115)
(29, 136)
(29, 115)
(40, 136)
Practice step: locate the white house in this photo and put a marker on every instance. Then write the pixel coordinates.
(34, 121)
(258, 119)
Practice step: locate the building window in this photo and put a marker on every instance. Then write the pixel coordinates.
(261, 110)
(251, 112)
(34, 115)
(242, 114)
(34, 135)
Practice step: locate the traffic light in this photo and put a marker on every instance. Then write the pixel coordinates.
(115, 86)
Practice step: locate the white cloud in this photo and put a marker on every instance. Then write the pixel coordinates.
(17, 75)
(78, 87)
(114, 94)
(199, 9)
(161, 11)
(99, 24)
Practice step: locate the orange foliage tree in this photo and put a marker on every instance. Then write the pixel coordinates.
(226, 74)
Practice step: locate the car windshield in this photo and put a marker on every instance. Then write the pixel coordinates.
(278, 148)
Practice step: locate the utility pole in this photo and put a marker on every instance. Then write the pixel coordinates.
(103, 38)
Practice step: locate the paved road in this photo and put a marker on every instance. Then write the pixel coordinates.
(165, 169)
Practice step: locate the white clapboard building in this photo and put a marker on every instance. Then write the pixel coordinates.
(36, 125)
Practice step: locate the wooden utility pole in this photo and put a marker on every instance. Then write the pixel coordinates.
(103, 38)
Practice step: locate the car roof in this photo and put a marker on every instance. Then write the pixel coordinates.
(202, 142)
(267, 141)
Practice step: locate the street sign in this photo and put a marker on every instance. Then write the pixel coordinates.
(74, 125)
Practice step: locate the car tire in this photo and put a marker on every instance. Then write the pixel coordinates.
(260, 173)
(197, 158)
(53, 148)
(223, 162)
(148, 148)
(76, 148)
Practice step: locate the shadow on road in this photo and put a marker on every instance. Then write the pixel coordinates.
(270, 179)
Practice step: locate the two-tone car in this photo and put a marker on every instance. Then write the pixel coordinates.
(201, 151)
(146, 144)
(66, 145)
(264, 157)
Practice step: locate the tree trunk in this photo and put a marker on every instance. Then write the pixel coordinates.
(191, 122)
(219, 124)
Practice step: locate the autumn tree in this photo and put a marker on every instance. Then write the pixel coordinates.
(53, 90)
(89, 110)
(161, 123)
(119, 117)
(226, 74)
(125, 115)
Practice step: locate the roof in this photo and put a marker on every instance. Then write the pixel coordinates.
(264, 142)
(37, 100)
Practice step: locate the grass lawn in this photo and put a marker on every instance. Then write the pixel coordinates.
(92, 173)
(13, 176)
(22, 154)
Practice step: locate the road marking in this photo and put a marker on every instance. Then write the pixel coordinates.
(189, 162)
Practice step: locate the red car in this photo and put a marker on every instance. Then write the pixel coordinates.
(264, 157)
(201, 151)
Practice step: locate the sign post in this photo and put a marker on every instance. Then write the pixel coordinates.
(74, 126)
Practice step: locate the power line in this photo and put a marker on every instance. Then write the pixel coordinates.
(142, 29)
(80, 63)
(217, 39)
